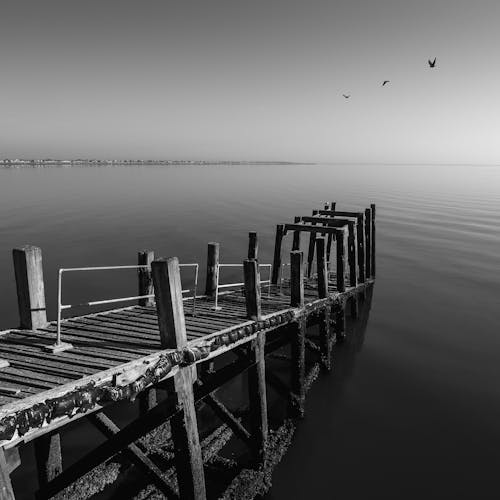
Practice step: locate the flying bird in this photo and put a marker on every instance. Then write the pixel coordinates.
(385, 82)
(432, 64)
(346, 96)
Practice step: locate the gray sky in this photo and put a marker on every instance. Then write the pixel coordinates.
(251, 80)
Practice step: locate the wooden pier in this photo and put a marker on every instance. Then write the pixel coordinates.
(55, 372)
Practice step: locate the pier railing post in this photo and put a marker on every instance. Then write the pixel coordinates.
(252, 289)
(340, 243)
(310, 253)
(253, 245)
(360, 238)
(372, 206)
(298, 336)
(276, 274)
(145, 279)
(212, 268)
(368, 221)
(30, 287)
(324, 323)
(171, 322)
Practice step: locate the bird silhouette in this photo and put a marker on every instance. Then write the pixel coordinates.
(346, 96)
(385, 82)
(432, 64)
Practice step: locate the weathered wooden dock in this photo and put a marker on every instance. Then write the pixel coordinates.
(52, 373)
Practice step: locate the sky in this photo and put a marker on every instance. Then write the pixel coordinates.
(254, 80)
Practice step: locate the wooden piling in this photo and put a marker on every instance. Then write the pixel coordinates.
(312, 242)
(212, 268)
(253, 245)
(340, 261)
(276, 275)
(339, 320)
(6, 490)
(372, 206)
(48, 457)
(252, 289)
(145, 279)
(296, 279)
(368, 260)
(30, 287)
(330, 236)
(171, 322)
(360, 238)
(296, 236)
(352, 254)
(324, 323)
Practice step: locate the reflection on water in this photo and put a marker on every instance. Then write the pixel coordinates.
(415, 412)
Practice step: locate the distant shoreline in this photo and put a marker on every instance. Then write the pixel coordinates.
(52, 162)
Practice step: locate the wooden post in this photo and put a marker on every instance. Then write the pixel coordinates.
(324, 323)
(368, 264)
(296, 278)
(340, 261)
(30, 288)
(330, 236)
(252, 289)
(373, 238)
(258, 399)
(296, 236)
(212, 268)
(145, 285)
(298, 355)
(310, 253)
(48, 457)
(171, 322)
(6, 490)
(339, 321)
(253, 245)
(360, 237)
(352, 254)
(276, 275)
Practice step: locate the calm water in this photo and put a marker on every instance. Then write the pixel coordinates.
(415, 411)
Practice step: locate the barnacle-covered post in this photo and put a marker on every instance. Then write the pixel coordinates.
(257, 372)
(297, 393)
(28, 271)
(171, 322)
(324, 322)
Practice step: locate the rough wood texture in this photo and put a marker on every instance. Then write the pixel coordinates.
(169, 306)
(352, 254)
(297, 383)
(368, 260)
(341, 262)
(339, 322)
(296, 236)
(360, 237)
(372, 206)
(324, 322)
(321, 268)
(253, 245)
(187, 449)
(330, 236)
(48, 457)
(276, 275)
(28, 270)
(312, 242)
(212, 268)
(147, 400)
(6, 491)
(252, 289)
(296, 279)
(258, 398)
(145, 278)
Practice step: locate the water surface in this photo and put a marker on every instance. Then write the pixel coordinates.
(413, 411)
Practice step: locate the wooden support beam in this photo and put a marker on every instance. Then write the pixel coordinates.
(325, 220)
(296, 279)
(6, 490)
(298, 355)
(324, 323)
(360, 239)
(187, 449)
(296, 236)
(341, 262)
(321, 268)
(147, 400)
(354, 305)
(368, 264)
(253, 245)
(48, 457)
(312, 242)
(352, 254)
(336, 213)
(28, 270)
(311, 229)
(276, 275)
(258, 398)
(252, 289)
(134, 453)
(145, 279)
(13, 459)
(339, 320)
(372, 206)
(330, 236)
(212, 268)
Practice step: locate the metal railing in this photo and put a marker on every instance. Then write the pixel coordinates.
(216, 306)
(60, 346)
